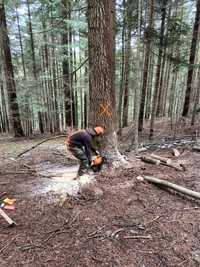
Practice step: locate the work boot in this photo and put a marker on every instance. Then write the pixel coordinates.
(85, 172)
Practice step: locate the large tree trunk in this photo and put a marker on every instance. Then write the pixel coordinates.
(192, 60)
(101, 65)
(9, 75)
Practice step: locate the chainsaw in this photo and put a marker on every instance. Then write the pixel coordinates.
(97, 162)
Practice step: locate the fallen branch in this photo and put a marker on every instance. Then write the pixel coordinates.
(43, 141)
(177, 188)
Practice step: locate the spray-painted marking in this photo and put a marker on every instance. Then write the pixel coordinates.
(105, 109)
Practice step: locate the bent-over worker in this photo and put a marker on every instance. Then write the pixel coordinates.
(80, 144)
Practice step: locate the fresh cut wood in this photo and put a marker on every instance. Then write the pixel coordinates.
(175, 152)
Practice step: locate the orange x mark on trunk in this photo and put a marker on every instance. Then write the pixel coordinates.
(105, 109)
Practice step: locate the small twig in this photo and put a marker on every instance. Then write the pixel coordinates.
(54, 234)
(8, 244)
(95, 236)
(27, 247)
(98, 260)
(117, 231)
(97, 231)
(151, 221)
(60, 230)
(138, 237)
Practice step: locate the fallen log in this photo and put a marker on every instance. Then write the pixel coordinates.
(150, 160)
(196, 148)
(6, 217)
(177, 188)
(162, 159)
(173, 166)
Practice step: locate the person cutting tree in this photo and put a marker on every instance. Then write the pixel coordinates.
(80, 144)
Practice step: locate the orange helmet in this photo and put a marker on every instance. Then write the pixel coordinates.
(99, 130)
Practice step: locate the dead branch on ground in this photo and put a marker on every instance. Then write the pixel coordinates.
(177, 188)
(36, 145)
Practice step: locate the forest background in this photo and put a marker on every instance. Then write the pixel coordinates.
(73, 64)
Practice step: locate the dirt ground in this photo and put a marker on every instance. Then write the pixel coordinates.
(118, 221)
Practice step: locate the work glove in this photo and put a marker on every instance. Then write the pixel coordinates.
(97, 153)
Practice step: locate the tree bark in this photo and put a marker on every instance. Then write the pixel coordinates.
(66, 66)
(192, 60)
(156, 90)
(101, 65)
(121, 92)
(9, 75)
(148, 34)
(127, 64)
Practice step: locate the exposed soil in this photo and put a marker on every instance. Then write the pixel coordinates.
(116, 221)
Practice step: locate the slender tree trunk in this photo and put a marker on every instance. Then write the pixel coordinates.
(156, 90)
(192, 60)
(32, 41)
(196, 100)
(21, 46)
(9, 75)
(149, 87)
(34, 68)
(146, 64)
(138, 79)
(4, 107)
(66, 67)
(126, 77)
(121, 89)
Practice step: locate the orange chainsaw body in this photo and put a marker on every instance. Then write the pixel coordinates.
(97, 160)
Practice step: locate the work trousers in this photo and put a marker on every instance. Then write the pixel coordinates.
(80, 154)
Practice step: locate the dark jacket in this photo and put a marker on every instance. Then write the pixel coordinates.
(83, 140)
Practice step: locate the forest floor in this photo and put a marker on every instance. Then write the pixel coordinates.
(117, 221)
